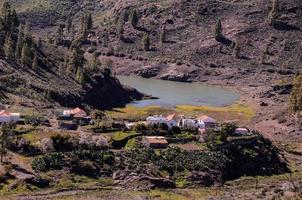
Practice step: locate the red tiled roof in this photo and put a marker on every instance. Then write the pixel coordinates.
(206, 118)
(4, 113)
(170, 117)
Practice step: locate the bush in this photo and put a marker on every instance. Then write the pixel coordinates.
(86, 168)
(64, 142)
(48, 162)
(34, 120)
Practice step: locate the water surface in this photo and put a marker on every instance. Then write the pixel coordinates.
(172, 93)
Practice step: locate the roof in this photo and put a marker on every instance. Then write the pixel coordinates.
(156, 140)
(207, 119)
(242, 130)
(77, 112)
(171, 117)
(4, 113)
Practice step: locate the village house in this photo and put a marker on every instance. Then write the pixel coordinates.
(7, 117)
(75, 113)
(191, 123)
(242, 132)
(70, 119)
(207, 121)
(155, 142)
(170, 120)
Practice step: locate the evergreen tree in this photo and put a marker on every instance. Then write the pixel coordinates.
(296, 94)
(133, 18)
(9, 47)
(26, 54)
(163, 34)
(218, 30)
(35, 64)
(69, 25)
(274, 13)
(146, 42)
(6, 136)
(27, 34)
(39, 43)
(93, 63)
(59, 34)
(19, 43)
(89, 21)
(120, 29)
(80, 77)
(236, 50)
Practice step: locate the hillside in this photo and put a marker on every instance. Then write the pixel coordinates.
(32, 74)
(189, 50)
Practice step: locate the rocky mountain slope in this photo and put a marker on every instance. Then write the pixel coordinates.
(31, 73)
(189, 50)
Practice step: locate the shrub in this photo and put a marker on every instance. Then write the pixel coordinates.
(48, 162)
(64, 142)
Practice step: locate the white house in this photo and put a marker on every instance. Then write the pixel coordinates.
(191, 123)
(242, 132)
(170, 120)
(6, 117)
(208, 121)
(76, 113)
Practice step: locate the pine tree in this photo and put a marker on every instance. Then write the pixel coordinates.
(19, 43)
(35, 65)
(69, 25)
(27, 34)
(274, 13)
(80, 76)
(218, 30)
(296, 95)
(8, 47)
(133, 18)
(39, 43)
(146, 42)
(26, 54)
(120, 29)
(163, 34)
(59, 34)
(89, 21)
(93, 63)
(6, 136)
(236, 50)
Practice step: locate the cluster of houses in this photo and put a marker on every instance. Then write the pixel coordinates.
(201, 124)
(71, 119)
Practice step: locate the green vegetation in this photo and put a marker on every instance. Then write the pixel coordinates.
(6, 136)
(296, 94)
(133, 18)
(237, 111)
(146, 42)
(218, 30)
(274, 13)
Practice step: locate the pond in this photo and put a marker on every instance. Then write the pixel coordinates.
(170, 93)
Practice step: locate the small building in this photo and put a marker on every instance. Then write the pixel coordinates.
(242, 132)
(170, 120)
(191, 124)
(209, 122)
(158, 142)
(75, 113)
(7, 117)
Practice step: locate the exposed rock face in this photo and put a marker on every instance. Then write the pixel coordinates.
(30, 178)
(49, 88)
(105, 91)
(140, 181)
(205, 178)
